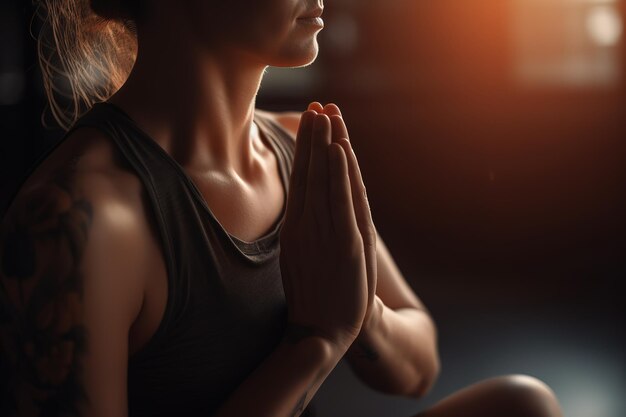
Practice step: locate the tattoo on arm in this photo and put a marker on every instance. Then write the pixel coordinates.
(42, 335)
(294, 333)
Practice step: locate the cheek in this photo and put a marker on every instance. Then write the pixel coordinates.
(254, 24)
(271, 24)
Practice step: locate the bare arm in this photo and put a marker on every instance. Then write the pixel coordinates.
(68, 303)
(396, 352)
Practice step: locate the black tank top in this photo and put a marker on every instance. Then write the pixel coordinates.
(226, 309)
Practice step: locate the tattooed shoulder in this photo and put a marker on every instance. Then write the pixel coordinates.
(42, 334)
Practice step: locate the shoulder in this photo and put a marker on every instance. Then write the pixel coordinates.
(86, 167)
(289, 120)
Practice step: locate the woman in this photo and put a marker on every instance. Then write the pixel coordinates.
(141, 272)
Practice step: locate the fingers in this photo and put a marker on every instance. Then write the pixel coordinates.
(341, 136)
(342, 208)
(339, 128)
(317, 185)
(316, 106)
(359, 196)
(331, 110)
(363, 216)
(300, 169)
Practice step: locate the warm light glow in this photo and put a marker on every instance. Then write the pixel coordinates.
(567, 43)
(604, 26)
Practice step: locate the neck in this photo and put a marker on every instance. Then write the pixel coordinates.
(198, 105)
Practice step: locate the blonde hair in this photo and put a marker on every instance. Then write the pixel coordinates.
(84, 57)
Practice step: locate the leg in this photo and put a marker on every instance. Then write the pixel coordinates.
(506, 396)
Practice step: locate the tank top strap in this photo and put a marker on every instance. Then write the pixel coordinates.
(162, 188)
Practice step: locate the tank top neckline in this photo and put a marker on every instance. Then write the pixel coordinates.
(258, 247)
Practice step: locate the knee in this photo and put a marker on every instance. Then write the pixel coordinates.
(527, 396)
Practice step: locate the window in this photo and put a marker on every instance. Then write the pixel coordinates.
(567, 43)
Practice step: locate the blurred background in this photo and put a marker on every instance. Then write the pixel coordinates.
(491, 138)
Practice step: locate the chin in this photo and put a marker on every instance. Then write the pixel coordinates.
(297, 56)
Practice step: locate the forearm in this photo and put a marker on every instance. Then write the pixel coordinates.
(397, 353)
(284, 384)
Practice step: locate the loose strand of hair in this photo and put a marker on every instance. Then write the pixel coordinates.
(83, 57)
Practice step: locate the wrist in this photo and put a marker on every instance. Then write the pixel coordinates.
(373, 323)
(372, 334)
(330, 346)
(316, 352)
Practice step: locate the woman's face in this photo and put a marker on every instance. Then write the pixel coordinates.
(274, 32)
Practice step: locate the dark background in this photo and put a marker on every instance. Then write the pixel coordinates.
(491, 138)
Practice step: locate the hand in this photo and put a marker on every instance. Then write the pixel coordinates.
(322, 259)
(361, 204)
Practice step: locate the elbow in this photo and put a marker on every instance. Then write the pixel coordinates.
(425, 381)
(429, 379)
(429, 368)
(413, 384)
